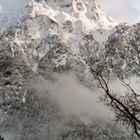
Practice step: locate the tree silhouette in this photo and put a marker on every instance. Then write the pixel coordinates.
(126, 108)
(1, 138)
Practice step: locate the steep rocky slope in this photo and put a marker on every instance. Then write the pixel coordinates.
(57, 36)
(123, 49)
(43, 39)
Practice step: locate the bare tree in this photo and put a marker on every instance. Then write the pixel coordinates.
(126, 108)
(121, 50)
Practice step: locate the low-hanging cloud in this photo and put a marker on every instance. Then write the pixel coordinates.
(72, 98)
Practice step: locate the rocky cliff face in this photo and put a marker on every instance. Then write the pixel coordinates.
(52, 36)
(57, 36)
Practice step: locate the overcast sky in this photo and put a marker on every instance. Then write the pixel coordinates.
(122, 10)
(9, 6)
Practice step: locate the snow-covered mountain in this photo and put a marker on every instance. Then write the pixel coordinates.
(56, 33)
(40, 38)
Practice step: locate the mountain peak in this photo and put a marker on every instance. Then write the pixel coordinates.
(89, 8)
(85, 11)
